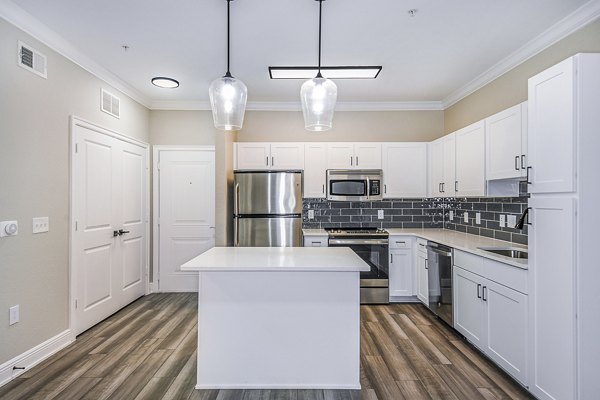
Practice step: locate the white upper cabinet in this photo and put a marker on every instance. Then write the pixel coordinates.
(315, 167)
(354, 156)
(266, 156)
(506, 143)
(551, 134)
(470, 161)
(404, 170)
(442, 161)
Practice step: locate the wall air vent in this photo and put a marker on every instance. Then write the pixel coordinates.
(110, 104)
(32, 60)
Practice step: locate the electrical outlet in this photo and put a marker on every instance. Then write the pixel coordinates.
(511, 220)
(40, 225)
(311, 214)
(466, 217)
(451, 215)
(478, 218)
(13, 315)
(9, 228)
(502, 220)
(379, 214)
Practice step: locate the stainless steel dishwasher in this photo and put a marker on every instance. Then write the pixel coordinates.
(439, 260)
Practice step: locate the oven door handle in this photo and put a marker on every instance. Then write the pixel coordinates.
(357, 241)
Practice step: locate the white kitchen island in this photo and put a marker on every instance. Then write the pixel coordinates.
(278, 317)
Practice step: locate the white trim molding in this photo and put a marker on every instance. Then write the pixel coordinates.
(579, 18)
(34, 356)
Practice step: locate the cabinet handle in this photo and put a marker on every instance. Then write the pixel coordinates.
(484, 292)
(384, 188)
(456, 186)
(392, 258)
(357, 161)
(267, 161)
(478, 290)
(440, 187)
(323, 188)
(272, 161)
(426, 264)
(523, 161)
(402, 242)
(528, 179)
(351, 160)
(517, 163)
(443, 187)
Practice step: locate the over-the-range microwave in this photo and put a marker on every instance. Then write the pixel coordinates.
(354, 184)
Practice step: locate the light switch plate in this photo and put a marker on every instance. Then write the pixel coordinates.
(13, 315)
(511, 220)
(311, 214)
(379, 214)
(478, 218)
(40, 225)
(466, 217)
(451, 215)
(502, 220)
(9, 228)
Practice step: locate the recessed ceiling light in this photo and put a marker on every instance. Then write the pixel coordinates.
(342, 72)
(164, 82)
(412, 12)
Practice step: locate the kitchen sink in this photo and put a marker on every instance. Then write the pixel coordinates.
(507, 252)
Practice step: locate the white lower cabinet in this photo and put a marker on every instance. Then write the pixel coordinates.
(315, 241)
(493, 317)
(422, 274)
(401, 266)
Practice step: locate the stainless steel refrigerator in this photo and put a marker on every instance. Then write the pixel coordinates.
(267, 208)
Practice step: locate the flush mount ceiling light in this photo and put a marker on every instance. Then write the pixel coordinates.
(164, 82)
(318, 95)
(340, 72)
(228, 96)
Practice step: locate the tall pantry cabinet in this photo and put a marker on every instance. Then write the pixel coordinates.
(564, 271)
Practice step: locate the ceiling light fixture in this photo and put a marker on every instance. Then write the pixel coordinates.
(228, 96)
(164, 82)
(341, 72)
(318, 95)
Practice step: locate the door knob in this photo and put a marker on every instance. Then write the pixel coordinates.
(122, 232)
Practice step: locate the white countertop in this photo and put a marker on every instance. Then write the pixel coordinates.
(315, 259)
(457, 240)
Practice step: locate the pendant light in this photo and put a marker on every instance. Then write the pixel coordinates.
(318, 96)
(228, 96)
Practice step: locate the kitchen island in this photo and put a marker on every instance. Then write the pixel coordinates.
(273, 317)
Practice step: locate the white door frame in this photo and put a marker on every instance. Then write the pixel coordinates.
(76, 121)
(156, 149)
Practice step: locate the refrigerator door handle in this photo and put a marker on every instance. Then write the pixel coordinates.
(236, 232)
(236, 201)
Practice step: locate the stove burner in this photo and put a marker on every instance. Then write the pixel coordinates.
(357, 231)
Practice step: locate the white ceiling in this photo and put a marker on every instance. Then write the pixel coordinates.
(428, 57)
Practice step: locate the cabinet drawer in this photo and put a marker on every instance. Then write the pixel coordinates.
(469, 261)
(507, 275)
(315, 241)
(401, 242)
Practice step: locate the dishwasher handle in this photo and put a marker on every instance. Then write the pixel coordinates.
(442, 250)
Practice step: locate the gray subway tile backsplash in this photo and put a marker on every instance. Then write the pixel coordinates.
(421, 213)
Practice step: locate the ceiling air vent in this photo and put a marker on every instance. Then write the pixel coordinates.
(110, 104)
(32, 60)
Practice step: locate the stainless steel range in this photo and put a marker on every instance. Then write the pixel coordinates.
(371, 244)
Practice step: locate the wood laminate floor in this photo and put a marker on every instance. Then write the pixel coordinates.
(148, 351)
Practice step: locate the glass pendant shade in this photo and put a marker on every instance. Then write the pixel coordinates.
(228, 102)
(318, 97)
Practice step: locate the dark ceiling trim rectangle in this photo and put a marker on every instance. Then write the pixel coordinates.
(327, 72)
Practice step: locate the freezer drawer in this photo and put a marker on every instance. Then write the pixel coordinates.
(268, 232)
(268, 192)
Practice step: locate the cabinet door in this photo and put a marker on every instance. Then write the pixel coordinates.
(503, 133)
(340, 156)
(470, 161)
(506, 341)
(315, 170)
(552, 297)
(404, 170)
(469, 308)
(253, 156)
(422, 278)
(524, 130)
(449, 170)
(401, 272)
(287, 155)
(551, 134)
(367, 155)
(436, 163)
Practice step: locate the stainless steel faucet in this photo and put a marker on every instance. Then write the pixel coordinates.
(521, 220)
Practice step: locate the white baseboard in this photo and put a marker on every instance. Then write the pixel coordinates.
(34, 356)
(279, 386)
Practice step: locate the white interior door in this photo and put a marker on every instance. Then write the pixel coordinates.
(109, 189)
(186, 196)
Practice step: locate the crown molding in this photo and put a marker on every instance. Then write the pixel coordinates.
(295, 106)
(18, 17)
(579, 18)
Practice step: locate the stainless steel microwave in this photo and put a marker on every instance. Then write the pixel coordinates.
(354, 184)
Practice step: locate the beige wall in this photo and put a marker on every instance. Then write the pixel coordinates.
(34, 182)
(363, 126)
(511, 88)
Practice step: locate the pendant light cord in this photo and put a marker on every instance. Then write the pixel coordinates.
(320, 12)
(228, 74)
